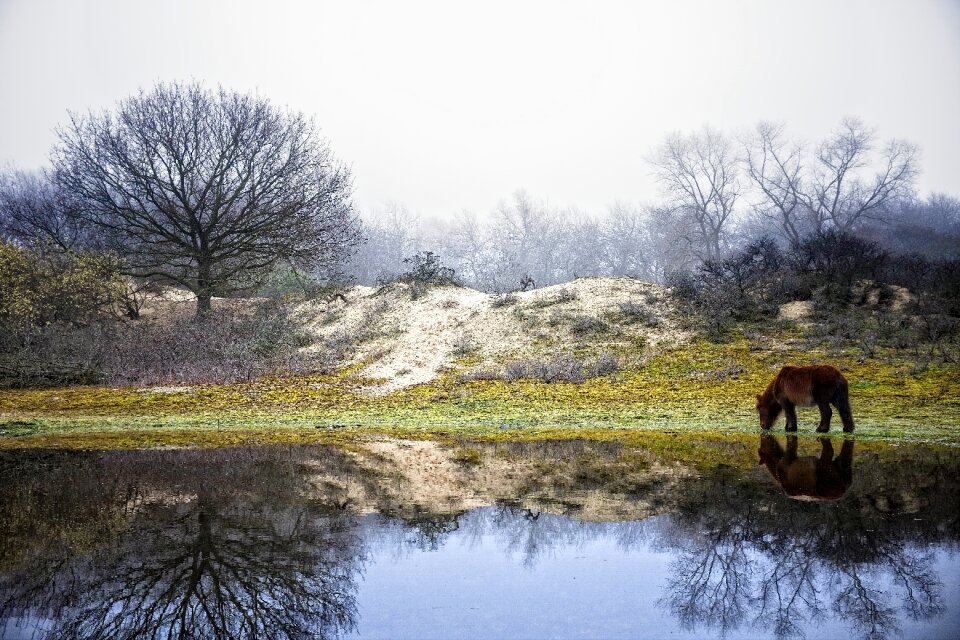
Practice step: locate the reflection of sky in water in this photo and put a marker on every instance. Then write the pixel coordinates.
(493, 578)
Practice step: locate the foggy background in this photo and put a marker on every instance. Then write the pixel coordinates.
(443, 107)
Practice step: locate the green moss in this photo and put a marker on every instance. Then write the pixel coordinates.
(699, 387)
(467, 456)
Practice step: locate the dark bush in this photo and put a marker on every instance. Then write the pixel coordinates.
(584, 325)
(427, 268)
(633, 312)
(834, 261)
(527, 283)
(683, 285)
(748, 284)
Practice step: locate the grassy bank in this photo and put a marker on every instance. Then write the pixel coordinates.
(699, 386)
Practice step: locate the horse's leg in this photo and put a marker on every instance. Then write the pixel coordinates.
(789, 410)
(826, 450)
(844, 462)
(791, 453)
(842, 401)
(825, 414)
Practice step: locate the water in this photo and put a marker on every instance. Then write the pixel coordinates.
(579, 540)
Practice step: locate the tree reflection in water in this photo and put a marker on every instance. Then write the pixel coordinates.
(748, 556)
(221, 544)
(260, 543)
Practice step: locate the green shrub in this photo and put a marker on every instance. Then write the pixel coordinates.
(72, 288)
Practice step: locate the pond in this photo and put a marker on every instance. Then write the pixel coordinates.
(763, 537)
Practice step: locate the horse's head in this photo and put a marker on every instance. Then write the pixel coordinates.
(770, 453)
(769, 410)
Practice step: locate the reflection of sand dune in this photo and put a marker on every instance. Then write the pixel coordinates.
(588, 479)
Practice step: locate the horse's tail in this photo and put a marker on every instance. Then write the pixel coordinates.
(842, 401)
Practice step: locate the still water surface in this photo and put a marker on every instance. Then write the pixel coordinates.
(580, 540)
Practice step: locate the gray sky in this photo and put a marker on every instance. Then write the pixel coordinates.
(446, 106)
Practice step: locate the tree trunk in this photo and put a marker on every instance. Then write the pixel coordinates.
(203, 303)
(204, 290)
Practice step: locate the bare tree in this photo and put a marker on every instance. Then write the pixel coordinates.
(207, 189)
(669, 249)
(465, 241)
(35, 212)
(841, 193)
(391, 235)
(776, 168)
(528, 240)
(699, 175)
(625, 241)
(583, 248)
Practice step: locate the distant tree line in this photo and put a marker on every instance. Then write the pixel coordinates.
(527, 242)
(718, 195)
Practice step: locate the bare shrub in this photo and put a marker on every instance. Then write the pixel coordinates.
(233, 346)
(605, 365)
(479, 374)
(560, 297)
(524, 369)
(463, 345)
(585, 325)
(731, 370)
(53, 355)
(637, 313)
(503, 300)
(562, 368)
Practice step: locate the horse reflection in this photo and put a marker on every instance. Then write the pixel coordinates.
(808, 477)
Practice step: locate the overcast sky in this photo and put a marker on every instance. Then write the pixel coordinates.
(447, 106)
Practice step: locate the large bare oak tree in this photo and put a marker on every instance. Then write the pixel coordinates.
(207, 189)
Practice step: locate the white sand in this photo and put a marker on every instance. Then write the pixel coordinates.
(411, 342)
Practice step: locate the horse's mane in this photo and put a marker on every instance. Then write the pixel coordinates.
(767, 395)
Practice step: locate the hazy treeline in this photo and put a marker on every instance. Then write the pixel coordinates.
(718, 194)
(526, 237)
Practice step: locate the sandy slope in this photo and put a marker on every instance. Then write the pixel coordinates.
(406, 342)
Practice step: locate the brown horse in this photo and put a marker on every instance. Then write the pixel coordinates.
(820, 385)
(808, 477)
